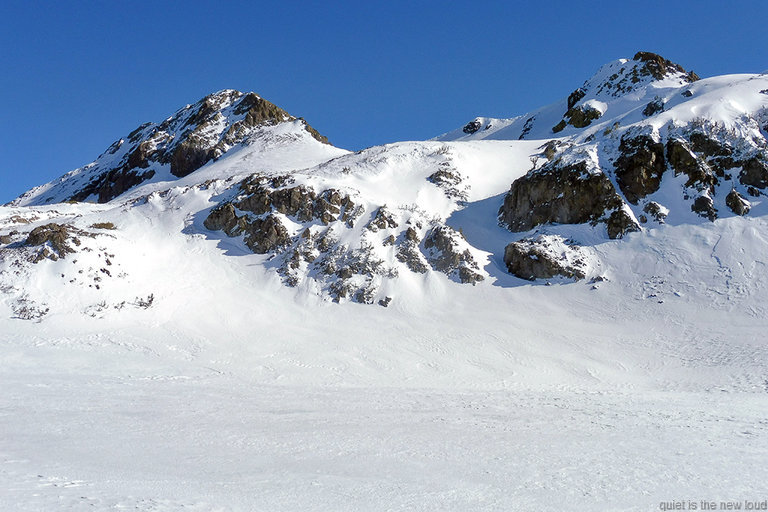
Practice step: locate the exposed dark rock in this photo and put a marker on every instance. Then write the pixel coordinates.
(225, 218)
(659, 67)
(620, 223)
(445, 255)
(382, 220)
(639, 167)
(258, 199)
(385, 301)
(260, 196)
(409, 254)
(526, 127)
(133, 137)
(103, 225)
(111, 184)
(140, 156)
(643, 65)
(737, 203)
(656, 211)
(314, 133)
(543, 258)
(189, 155)
(411, 235)
(687, 93)
(581, 117)
(186, 141)
(709, 147)
(266, 235)
(684, 161)
(704, 206)
(754, 173)
(575, 97)
(559, 126)
(55, 236)
(448, 178)
(563, 194)
(472, 127)
(295, 201)
(654, 107)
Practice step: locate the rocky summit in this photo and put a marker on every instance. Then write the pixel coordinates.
(190, 138)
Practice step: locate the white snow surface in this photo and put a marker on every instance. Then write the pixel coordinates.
(231, 391)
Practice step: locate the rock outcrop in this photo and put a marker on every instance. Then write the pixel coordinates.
(563, 194)
(545, 257)
(186, 141)
(449, 253)
(53, 240)
(640, 166)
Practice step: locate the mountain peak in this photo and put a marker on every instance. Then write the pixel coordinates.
(624, 76)
(181, 144)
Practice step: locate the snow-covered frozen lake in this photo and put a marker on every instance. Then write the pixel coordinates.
(94, 441)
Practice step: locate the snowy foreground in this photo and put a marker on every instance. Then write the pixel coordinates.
(214, 442)
(421, 413)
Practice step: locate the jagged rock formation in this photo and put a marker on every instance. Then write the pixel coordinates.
(186, 141)
(266, 211)
(565, 194)
(639, 167)
(448, 252)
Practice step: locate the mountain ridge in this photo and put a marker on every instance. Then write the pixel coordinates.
(645, 144)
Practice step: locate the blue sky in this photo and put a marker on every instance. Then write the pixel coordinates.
(78, 75)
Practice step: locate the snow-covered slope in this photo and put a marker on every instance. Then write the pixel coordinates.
(409, 326)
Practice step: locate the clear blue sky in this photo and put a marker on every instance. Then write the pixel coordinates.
(75, 76)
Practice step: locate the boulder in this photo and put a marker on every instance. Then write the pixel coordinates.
(544, 257)
(737, 203)
(754, 173)
(224, 218)
(620, 223)
(654, 107)
(704, 206)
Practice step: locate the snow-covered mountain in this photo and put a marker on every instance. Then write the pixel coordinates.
(614, 240)
(641, 144)
(223, 122)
